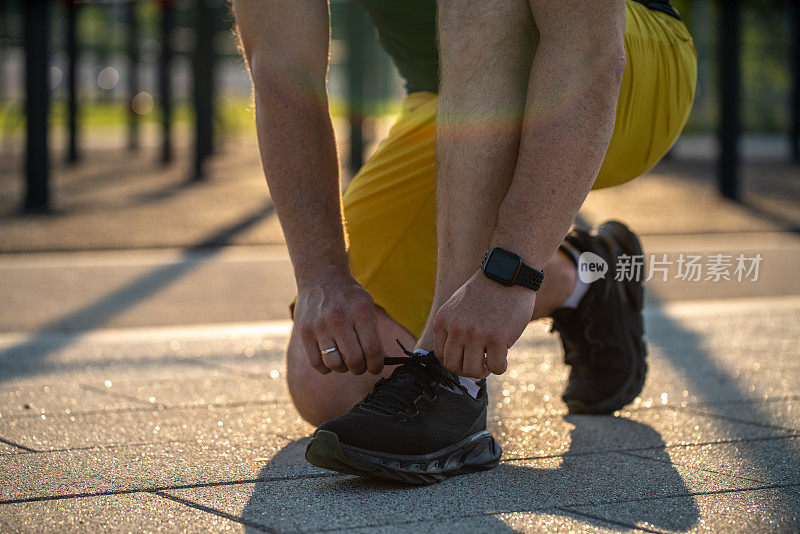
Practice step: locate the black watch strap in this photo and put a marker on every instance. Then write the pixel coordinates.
(529, 277)
(507, 268)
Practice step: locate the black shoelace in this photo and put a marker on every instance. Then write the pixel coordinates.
(416, 377)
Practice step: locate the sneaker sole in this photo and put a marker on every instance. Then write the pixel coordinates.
(635, 293)
(476, 453)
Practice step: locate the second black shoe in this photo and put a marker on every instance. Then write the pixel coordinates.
(603, 337)
(417, 426)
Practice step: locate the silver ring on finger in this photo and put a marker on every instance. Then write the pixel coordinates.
(328, 351)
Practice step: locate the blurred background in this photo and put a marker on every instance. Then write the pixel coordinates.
(127, 132)
(145, 282)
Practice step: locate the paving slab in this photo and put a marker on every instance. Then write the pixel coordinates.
(203, 424)
(117, 289)
(151, 467)
(531, 436)
(516, 486)
(539, 521)
(201, 385)
(711, 382)
(726, 328)
(699, 353)
(30, 355)
(137, 512)
(768, 461)
(118, 369)
(37, 397)
(784, 413)
(132, 387)
(756, 510)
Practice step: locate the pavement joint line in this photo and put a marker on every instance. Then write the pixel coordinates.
(128, 491)
(338, 475)
(610, 521)
(101, 363)
(116, 394)
(738, 420)
(131, 445)
(525, 458)
(282, 327)
(10, 443)
(683, 309)
(789, 232)
(144, 257)
(133, 256)
(214, 511)
(695, 468)
(465, 516)
(122, 335)
(744, 401)
(572, 508)
(235, 368)
(723, 491)
(146, 406)
(652, 447)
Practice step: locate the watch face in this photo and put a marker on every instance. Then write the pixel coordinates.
(502, 265)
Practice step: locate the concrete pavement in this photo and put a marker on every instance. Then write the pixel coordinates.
(142, 381)
(190, 428)
(150, 396)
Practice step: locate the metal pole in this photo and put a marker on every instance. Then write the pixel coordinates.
(164, 81)
(133, 75)
(730, 90)
(794, 9)
(356, 63)
(5, 43)
(37, 88)
(203, 73)
(72, 81)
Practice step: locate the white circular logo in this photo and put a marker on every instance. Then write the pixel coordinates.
(591, 267)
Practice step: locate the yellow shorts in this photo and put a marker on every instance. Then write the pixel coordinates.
(389, 205)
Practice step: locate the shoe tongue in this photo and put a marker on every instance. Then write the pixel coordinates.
(429, 363)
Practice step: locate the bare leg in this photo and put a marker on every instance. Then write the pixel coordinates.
(560, 276)
(319, 397)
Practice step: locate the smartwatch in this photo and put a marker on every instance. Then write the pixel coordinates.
(508, 269)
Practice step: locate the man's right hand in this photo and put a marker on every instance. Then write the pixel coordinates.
(338, 312)
(298, 153)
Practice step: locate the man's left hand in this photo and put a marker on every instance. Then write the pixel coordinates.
(475, 328)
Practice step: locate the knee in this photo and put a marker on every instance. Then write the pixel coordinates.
(317, 397)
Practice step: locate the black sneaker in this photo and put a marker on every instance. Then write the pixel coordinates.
(603, 337)
(418, 426)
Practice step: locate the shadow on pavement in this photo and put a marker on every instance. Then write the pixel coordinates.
(345, 502)
(584, 476)
(686, 351)
(14, 360)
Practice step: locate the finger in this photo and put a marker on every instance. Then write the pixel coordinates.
(497, 358)
(332, 360)
(312, 351)
(474, 364)
(371, 345)
(350, 349)
(454, 354)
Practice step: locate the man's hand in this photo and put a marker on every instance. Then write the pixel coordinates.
(481, 318)
(338, 312)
